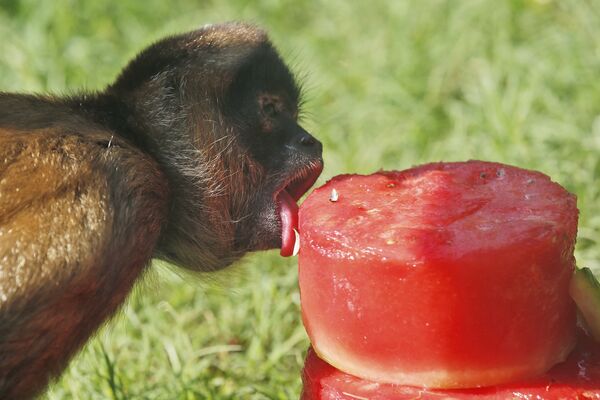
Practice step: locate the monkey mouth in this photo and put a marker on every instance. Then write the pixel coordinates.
(286, 198)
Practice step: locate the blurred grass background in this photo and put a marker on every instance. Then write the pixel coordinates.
(390, 84)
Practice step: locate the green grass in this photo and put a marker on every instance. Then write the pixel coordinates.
(390, 84)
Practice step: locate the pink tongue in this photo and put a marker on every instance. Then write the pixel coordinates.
(288, 213)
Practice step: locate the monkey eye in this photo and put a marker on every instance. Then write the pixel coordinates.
(269, 109)
(271, 105)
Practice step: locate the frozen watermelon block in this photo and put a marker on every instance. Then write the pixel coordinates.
(447, 275)
(577, 378)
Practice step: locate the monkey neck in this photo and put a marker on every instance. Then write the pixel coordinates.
(111, 113)
(147, 127)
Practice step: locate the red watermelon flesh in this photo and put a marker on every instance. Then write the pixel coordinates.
(577, 378)
(448, 275)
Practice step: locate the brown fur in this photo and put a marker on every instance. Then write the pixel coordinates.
(70, 249)
(181, 159)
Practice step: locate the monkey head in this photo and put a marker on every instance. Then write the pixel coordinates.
(217, 108)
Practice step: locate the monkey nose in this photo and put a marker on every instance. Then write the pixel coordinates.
(307, 140)
(309, 143)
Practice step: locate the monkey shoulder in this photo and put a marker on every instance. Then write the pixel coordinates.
(80, 213)
(70, 200)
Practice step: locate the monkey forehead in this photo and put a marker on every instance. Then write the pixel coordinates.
(230, 34)
(175, 52)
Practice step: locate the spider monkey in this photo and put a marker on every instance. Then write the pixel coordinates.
(193, 155)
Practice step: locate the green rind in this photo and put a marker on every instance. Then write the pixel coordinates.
(585, 290)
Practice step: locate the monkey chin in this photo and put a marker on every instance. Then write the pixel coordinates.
(272, 225)
(275, 225)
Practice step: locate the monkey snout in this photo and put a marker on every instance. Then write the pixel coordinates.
(307, 140)
(309, 144)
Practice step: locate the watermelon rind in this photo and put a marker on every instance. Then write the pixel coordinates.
(585, 291)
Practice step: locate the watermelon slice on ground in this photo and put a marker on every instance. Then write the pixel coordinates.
(577, 378)
(448, 275)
